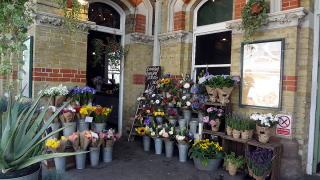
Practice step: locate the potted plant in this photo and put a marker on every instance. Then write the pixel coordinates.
(236, 128)
(264, 124)
(58, 146)
(57, 94)
(100, 115)
(229, 123)
(233, 163)
(214, 118)
(209, 81)
(156, 132)
(198, 105)
(247, 128)
(169, 137)
(254, 15)
(82, 96)
(260, 162)
(206, 155)
(67, 118)
(95, 144)
(225, 85)
(184, 139)
(109, 138)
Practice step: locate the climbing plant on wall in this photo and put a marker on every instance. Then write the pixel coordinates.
(72, 11)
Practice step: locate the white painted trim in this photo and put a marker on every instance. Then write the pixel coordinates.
(120, 32)
(171, 16)
(275, 5)
(314, 89)
(157, 29)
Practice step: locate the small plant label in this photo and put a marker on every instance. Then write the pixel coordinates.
(88, 119)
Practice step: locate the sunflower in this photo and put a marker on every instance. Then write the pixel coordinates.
(166, 81)
(141, 130)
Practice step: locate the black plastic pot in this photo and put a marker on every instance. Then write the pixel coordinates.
(20, 174)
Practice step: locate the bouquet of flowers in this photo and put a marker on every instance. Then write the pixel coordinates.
(186, 83)
(82, 95)
(142, 131)
(85, 111)
(96, 139)
(156, 130)
(101, 114)
(265, 120)
(185, 102)
(168, 132)
(183, 137)
(75, 140)
(57, 145)
(166, 84)
(198, 103)
(110, 137)
(156, 99)
(204, 150)
(159, 112)
(67, 114)
(172, 113)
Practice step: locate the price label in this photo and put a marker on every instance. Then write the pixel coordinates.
(88, 119)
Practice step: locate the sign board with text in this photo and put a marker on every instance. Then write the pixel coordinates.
(153, 74)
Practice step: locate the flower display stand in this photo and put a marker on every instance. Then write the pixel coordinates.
(242, 146)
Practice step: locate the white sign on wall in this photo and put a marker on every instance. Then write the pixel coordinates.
(284, 125)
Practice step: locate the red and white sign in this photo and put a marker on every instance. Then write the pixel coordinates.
(284, 125)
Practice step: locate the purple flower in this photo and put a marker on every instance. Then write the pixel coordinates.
(147, 121)
(205, 119)
(210, 109)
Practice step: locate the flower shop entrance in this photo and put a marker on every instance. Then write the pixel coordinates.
(104, 64)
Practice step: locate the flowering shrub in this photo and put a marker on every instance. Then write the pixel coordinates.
(204, 150)
(265, 120)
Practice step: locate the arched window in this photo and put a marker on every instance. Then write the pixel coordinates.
(214, 12)
(104, 15)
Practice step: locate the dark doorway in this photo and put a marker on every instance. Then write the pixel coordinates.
(102, 76)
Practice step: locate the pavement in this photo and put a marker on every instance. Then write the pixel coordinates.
(130, 162)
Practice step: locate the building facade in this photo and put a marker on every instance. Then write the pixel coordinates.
(175, 34)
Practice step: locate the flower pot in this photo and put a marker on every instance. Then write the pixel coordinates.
(245, 134)
(193, 127)
(81, 160)
(229, 131)
(71, 128)
(200, 116)
(183, 152)
(94, 156)
(258, 177)
(263, 138)
(169, 148)
(263, 133)
(182, 124)
(60, 163)
(232, 169)
(216, 127)
(107, 154)
(99, 127)
(250, 172)
(29, 173)
(82, 125)
(158, 145)
(58, 100)
(224, 95)
(159, 120)
(213, 164)
(48, 100)
(146, 143)
(212, 92)
(235, 134)
(187, 115)
(54, 127)
(173, 122)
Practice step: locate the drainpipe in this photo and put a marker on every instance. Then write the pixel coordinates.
(157, 29)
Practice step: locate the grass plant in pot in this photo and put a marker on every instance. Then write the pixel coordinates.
(206, 155)
(233, 163)
(22, 139)
(229, 121)
(247, 128)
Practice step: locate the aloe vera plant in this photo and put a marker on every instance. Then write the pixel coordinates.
(22, 135)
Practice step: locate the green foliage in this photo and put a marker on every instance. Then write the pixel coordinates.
(220, 81)
(237, 161)
(251, 21)
(22, 135)
(71, 15)
(239, 122)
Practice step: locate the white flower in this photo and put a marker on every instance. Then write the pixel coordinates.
(53, 108)
(171, 132)
(157, 101)
(188, 103)
(202, 80)
(180, 138)
(94, 135)
(184, 97)
(162, 132)
(153, 95)
(153, 133)
(186, 86)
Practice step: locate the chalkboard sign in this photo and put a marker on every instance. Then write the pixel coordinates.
(153, 75)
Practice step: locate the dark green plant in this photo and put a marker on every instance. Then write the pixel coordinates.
(252, 21)
(237, 161)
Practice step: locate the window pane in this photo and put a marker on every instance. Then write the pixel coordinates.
(213, 71)
(215, 12)
(213, 49)
(104, 15)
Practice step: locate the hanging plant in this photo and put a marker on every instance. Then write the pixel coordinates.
(72, 11)
(254, 15)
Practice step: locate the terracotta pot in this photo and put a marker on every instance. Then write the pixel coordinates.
(229, 131)
(232, 169)
(212, 92)
(250, 172)
(216, 127)
(236, 134)
(256, 8)
(224, 94)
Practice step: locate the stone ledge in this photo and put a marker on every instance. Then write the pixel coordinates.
(175, 37)
(139, 38)
(282, 19)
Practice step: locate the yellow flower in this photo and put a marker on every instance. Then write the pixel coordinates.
(84, 111)
(63, 138)
(141, 130)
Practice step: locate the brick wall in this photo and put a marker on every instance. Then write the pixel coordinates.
(290, 83)
(140, 25)
(179, 20)
(290, 4)
(238, 6)
(58, 75)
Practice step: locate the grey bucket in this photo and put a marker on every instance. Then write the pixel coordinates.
(71, 128)
(54, 127)
(173, 122)
(193, 127)
(81, 160)
(187, 114)
(107, 154)
(213, 164)
(146, 143)
(169, 148)
(182, 124)
(94, 156)
(158, 145)
(183, 152)
(159, 120)
(99, 127)
(60, 164)
(200, 116)
(82, 125)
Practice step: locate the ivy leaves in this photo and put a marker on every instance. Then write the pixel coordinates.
(254, 15)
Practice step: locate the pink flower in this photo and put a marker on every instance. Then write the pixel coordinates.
(212, 123)
(205, 119)
(210, 109)
(219, 115)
